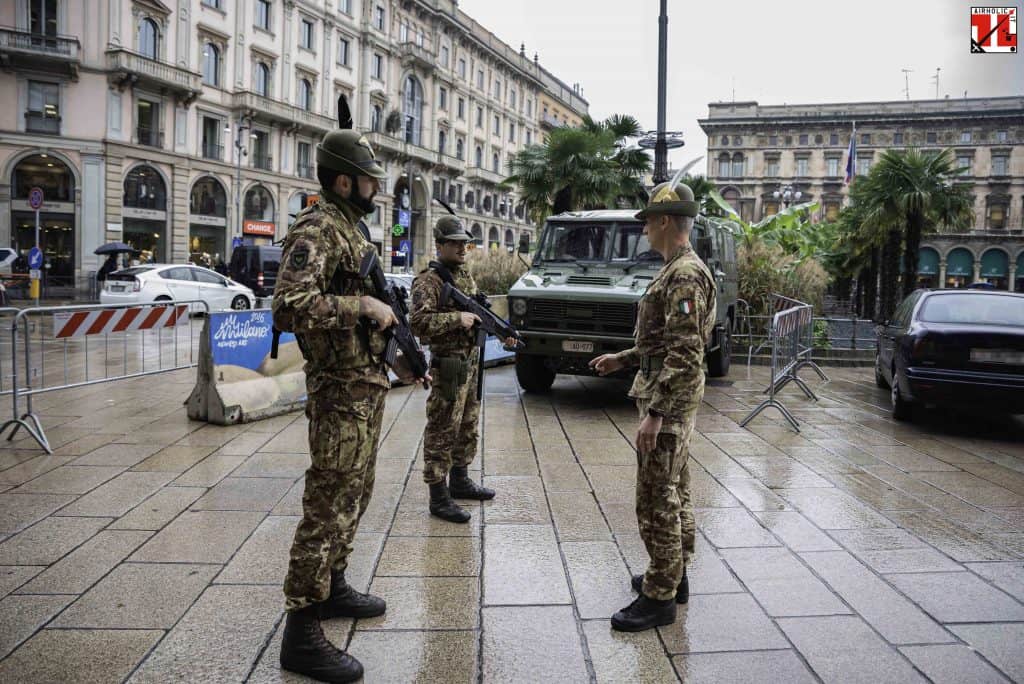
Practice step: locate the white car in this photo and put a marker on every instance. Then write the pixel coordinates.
(165, 282)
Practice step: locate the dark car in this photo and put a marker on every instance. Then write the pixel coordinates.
(954, 347)
(256, 267)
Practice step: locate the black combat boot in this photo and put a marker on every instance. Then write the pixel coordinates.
(644, 613)
(464, 488)
(305, 650)
(345, 601)
(682, 591)
(443, 506)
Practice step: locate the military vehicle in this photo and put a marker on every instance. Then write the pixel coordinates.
(579, 298)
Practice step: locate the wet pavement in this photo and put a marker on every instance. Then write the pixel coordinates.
(149, 548)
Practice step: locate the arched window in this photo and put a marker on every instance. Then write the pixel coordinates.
(470, 199)
(305, 94)
(412, 108)
(492, 238)
(510, 240)
(737, 166)
(479, 156)
(262, 79)
(148, 37)
(459, 151)
(375, 118)
(442, 139)
(259, 204)
(725, 140)
(144, 188)
(211, 65)
(208, 198)
(723, 166)
(478, 236)
(495, 163)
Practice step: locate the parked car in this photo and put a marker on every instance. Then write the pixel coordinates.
(166, 282)
(954, 347)
(255, 266)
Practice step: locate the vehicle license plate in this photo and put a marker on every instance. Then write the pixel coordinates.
(997, 356)
(577, 346)
(117, 288)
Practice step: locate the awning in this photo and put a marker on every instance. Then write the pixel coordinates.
(959, 262)
(928, 262)
(994, 264)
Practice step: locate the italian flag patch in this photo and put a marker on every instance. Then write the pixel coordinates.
(686, 306)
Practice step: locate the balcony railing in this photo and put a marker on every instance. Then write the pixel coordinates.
(486, 175)
(417, 53)
(270, 109)
(382, 142)
(39, 122)
(549, 121)
(147, 136)
(61, 47)
(213, 151)
(178, 79)
(304, 170)
(263, 161)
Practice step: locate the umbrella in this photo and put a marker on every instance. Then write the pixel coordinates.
(115, 248)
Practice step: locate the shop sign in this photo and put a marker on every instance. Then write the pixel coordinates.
(204, 220)
(252, 227)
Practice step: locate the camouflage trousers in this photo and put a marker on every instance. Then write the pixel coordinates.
(453, 417)
(664, 508)
(344, 426)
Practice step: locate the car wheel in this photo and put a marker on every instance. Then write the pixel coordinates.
(162, 298)
(879, 375)
(240, 303)
(718, 360)
(532, 374)
(901, 408)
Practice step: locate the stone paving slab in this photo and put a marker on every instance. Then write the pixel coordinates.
(151, 548)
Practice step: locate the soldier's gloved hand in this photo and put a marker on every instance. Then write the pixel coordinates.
(511, 342)
(606, 363)
(647, 435)
(405, 374)
(468, 320)
(373, 308)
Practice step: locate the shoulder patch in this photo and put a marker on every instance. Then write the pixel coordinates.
(299, 258)
(686, 306)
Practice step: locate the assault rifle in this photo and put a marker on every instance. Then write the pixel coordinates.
(400, 334)
(490, 322)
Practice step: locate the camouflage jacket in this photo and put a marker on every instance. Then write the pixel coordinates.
(676, 317)
(317, 297)
(440, 327)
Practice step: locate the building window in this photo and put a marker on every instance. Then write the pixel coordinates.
(480, 79)
(378, 66)
(512, 99)
(412, 109)
(343, 51)
(818, 139)
(460, 150)
(772, 167)
(496, 130)
(261, 79)
(803, 139)
(215, 4)
(479, 117)
(305, 94)
(403, 32)
(43, 115)
(737, 165)
(833, 139)
(302, 166)
(345, 6)
(479, 156)
(1000, 165)
(497, 89)
(263, 14)
(378, 17)
(1000, 136)
(148, 37)
(737, 140)
(147, 123)
(897, 138)
(261, 150)
(725, 140)
(723, 166)
(833, 167)
(529, 108)
(306, 34)
(211, 65)
(511, 132)
(442, 139)
(461, 109)
(865, 138)
(863, 166)
(529, 138)
(444, 56)
(375, 118)
(462, 69)
(773, 140)
(212, 149)
(788, 140)
(931, 137)
(965, 136)
(801, 167)
(997, 216)
(442, 98)
(496, 162)
(963, 162)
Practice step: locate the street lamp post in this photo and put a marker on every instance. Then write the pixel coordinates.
(787, 194)
(241, 150)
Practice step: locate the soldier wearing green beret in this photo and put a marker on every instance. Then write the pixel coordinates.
(321, 298)
(675, 319)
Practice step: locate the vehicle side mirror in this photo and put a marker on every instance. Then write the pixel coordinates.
(524, 243)
(704, 247)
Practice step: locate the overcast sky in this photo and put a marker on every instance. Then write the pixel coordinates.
(783, 51)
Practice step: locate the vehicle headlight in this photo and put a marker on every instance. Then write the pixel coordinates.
(519, 307)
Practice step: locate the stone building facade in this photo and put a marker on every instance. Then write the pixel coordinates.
(185, 127)
(757, 150)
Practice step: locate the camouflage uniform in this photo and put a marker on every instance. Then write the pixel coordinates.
(453, 411)
(317, 297)
(676, 317)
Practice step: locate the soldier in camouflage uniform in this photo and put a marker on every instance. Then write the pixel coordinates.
(676, 317)
(320, 297)
(453, 410)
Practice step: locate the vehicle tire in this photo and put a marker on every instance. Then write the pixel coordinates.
(880, 382)
(532, 374)
(901, 408)
(240, 303)
(718, 360)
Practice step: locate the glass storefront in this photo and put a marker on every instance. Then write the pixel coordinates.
(959, 268)
(145, 214)
(928, 268)
(258, 222)
(995, 268)
(56, 226)
(207, 232)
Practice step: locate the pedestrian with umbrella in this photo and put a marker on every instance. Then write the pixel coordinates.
(111, 249)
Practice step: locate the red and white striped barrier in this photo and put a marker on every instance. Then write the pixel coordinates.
(103, 321)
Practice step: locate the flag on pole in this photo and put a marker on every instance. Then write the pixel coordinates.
(851, 157)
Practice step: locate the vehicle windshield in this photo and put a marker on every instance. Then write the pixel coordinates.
(618, 243)
(631, 245)
(973, 309)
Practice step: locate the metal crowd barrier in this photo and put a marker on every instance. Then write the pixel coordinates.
(791, 337)
(64, 347)
(6, 364)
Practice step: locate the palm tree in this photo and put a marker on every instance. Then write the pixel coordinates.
(702, 189)
(588, 167)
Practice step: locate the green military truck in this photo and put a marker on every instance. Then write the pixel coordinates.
(579, 298)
